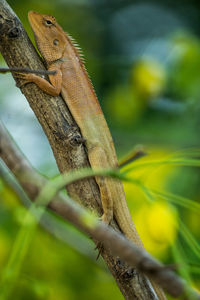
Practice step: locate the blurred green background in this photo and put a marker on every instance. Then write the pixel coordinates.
(144, 60)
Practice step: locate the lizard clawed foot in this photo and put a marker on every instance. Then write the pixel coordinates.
(27, 78)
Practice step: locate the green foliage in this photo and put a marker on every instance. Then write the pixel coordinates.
(147, 80)
(12, 273)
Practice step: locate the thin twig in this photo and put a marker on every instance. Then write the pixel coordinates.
(27, 70)
(137, 153)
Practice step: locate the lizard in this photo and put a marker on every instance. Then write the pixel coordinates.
(72, 81)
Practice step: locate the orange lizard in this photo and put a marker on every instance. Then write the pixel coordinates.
(72, 81)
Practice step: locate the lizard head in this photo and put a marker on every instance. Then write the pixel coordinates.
(49, 36)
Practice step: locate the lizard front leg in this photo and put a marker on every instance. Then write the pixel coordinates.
(98, 160)
(52, 88)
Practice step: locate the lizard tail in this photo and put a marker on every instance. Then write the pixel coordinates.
(125, 222)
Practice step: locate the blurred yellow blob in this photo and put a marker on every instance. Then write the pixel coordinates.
(148, 78)
(155, 220)
(161, 214)
(126, 103)
(151, 169)
(156, 224)
(123, 105)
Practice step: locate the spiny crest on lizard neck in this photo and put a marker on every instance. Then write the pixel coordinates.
(77, 48)
(79, 53)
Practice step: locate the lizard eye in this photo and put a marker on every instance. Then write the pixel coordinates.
(48, 23)
(56, 42)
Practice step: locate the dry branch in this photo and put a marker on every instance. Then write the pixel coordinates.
(112, 240)
(64, 138)
(66, 143)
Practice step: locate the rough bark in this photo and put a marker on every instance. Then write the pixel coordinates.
(65, 140)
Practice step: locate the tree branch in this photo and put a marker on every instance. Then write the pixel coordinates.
(58, 229)
(112, 240)
(65, 140)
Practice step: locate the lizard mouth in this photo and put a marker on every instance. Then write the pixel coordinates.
(33, 20)
(31, 16)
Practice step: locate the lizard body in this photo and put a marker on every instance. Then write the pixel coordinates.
(72, 81)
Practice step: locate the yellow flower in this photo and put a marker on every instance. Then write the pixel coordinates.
(148, 77)
(155, 221)
(156, 224)
(123, 105)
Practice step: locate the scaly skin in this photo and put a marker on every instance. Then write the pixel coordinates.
(72, 81)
